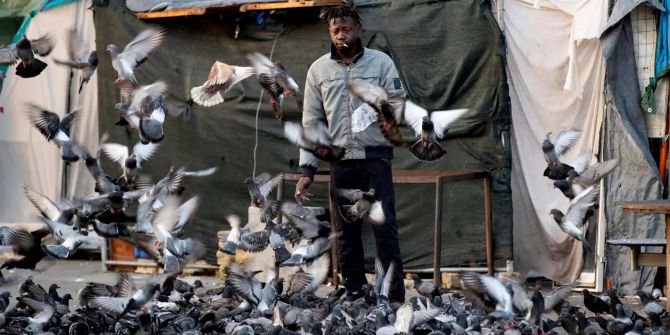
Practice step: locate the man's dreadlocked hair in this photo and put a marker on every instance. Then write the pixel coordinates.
(346, 9)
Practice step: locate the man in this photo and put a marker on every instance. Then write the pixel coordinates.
(352, 125)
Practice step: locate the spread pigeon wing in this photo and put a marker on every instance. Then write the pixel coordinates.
(144, 151)
(557, 295)
(46, 122)
(413, 116)
(294, 133)
(350, 194)
(43, 45)
(442, 119)
(43, 204)
(565, 139)
(267, 186)
(581, 204)
(139, 48)
(8, 55)
(116, 152)
(114, 305)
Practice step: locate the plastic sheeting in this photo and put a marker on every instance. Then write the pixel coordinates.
(27, 158)
(449, 53)
(538, 63)
(637, 178)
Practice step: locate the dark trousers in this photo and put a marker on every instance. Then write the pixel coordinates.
(364, 174)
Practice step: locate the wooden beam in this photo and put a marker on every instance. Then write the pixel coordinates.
(171, 13)
(288, 5)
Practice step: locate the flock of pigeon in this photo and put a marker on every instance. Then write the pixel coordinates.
(243, 303)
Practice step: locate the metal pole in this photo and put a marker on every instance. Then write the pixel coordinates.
(437, 233)
(488, 221)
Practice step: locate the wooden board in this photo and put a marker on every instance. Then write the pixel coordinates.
(647, 206)
(638, 242)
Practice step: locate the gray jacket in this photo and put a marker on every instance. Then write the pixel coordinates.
(352, 124)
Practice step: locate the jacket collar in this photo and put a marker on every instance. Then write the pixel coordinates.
(358, 47)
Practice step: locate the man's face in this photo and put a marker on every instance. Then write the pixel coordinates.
(344, 32)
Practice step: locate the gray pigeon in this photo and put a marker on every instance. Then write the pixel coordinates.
(566, 138)
(222, 77)
(80, 57)
(131, 162)
(134, 53)
(650, 307)
(261, 186)
(25, 50)
(389, 110)
(315, 139)
(304, 220)
(365, 205)
(70, 237)
(487, 292)
(145, 110)
(61, 214)
(53, 128)
(276, 81)
(572, 222)
(583, 176)
(42, 314)
(306, 253)
(429, 129)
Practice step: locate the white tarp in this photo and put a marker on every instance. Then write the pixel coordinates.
(27, 158)
(556, 77)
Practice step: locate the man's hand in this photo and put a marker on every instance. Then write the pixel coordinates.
(301, 193)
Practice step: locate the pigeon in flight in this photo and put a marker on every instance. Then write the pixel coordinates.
(488, 293)
(25, 244)
(276, 81)
(429, 129)
(80, 57)
(365, 205)
(389, 109)
(315, 139)
(222, 77)
(578, 213)
(61, 214)
(144, 109)
(131, 162)
(566, 138)
(583, 176)
(25, 50)
(261, 186)
(57, 129)
(134, 53)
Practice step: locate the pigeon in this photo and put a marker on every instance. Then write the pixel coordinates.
(304, 220)
(306, 253)
(429, 129)
(582, 176)
(383, 278)
(144, 109)
(43, 313)
(488, 292)
(572, 222)
(80, 57)
(131, 162)
(61, 214)
(261, 186)
(25, 244)
(425, 288)
(153, 198)
(638, 328)
(365, 205)
(119, 306)
(314, 139)
(656, 293)
(233, 238)
(134, 53)
(276, 81)
(525, 304)
(566, 138)
(25, 50)
(650, 307)
(594, 304)
(53, 128)
(222, 77)
(124, 287)
(70, 237)
(307, 281)
(389, 109)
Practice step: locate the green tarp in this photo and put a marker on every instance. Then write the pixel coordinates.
(450, 55)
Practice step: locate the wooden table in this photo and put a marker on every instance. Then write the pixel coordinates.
(655, 207)
(420, 177)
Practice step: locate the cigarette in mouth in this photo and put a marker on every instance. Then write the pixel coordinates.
(345, 45)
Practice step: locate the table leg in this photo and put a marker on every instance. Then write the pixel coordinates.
(103, 254)
(667, 256)
(488, 221)
(280, 198)
(437, 233)
(333, 229)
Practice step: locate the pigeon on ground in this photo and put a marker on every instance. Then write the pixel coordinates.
(53, 128)
(389, 109)
(429, 129)
(382, 284)
(80, 57)
(365, 206)
(553, 151)
(524, 304)
(119, 306)
(131, 162)
(315, 139)
(222, 77)
(650, 307)
(42, 314)
(572, 222)
(425, 288)
(25, 50)
(124, 287)
(276, 81)
(134, 53)
(594, 304)
(261, 186)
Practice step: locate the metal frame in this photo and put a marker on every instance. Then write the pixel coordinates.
(420, 177)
